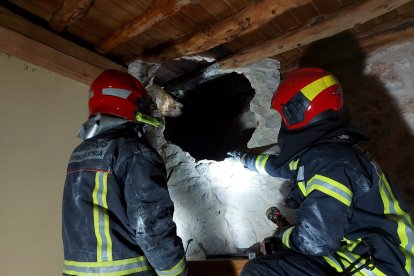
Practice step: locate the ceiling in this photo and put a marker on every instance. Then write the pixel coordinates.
(185, 36)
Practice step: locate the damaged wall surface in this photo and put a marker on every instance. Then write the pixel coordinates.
(221, 206)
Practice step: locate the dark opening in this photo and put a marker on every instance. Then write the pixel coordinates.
(210, 125)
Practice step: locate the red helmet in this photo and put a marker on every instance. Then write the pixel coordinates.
(117, 93)
(306, 96)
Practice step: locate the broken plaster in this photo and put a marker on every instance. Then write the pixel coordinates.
(221, 205)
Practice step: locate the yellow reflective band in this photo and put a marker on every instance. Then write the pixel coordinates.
(112, 268)
(175, 270)
(330, 187)
(106, 217)
(313, 89)
(350, 258)
(260, 163)
(101, 218)
(264, 161)
(293, 165)
(106, 264)
(333, 262)
(302, 187)
(96, 218)
(118, 273)
(286, 236)
(405, 227)
(351, 244)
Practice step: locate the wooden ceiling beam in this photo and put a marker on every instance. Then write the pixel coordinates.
(68, 13)
(332, 24)
(16, 23)
(20, 46)
(254, 16)
(159, 10)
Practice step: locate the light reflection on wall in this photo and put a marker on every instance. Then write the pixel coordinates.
(232, 175)
(221, 205)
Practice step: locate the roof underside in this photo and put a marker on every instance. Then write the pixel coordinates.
(187, 35)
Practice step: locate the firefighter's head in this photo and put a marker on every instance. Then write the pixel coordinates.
(117, 93)
(306, 96)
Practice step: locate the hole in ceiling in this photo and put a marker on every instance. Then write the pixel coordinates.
(215, 118)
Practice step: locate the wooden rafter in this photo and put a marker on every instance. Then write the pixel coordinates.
(159, 10)
(29, 50)
(18, 24)
(247, 20)
(335, 23)
(69, 12)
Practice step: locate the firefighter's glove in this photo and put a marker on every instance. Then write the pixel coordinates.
(235, 156)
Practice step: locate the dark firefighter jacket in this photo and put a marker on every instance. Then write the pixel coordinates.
(117, 212)
(348, 212)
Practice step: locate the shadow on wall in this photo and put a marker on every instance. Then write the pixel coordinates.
(368, 105)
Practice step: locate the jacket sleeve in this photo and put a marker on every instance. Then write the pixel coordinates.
(324, 215)
(264, 164)
(150, 212)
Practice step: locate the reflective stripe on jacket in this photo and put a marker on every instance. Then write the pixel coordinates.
(348, 212)
(117, 211)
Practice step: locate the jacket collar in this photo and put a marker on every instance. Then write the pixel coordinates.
(99, 124)
(333, 130)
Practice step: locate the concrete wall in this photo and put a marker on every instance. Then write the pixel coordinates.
(40, 115)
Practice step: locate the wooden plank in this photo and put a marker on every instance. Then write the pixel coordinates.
(28, 29)
(159, 10)
(22, 47)
(224, 267)
(39, 8)
(335, 23)
(247, 20)
(68, 13)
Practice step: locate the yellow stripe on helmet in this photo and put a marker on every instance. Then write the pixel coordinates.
(313, 89)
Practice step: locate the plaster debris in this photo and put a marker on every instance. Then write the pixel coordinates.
(165, 103)
(145, 72)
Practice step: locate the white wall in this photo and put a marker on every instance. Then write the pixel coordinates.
(40, 115)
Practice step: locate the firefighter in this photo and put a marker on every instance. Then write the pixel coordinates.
(350, 218)
(117, 211)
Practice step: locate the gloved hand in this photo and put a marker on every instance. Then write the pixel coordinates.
(271, 245)
(235, 156)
